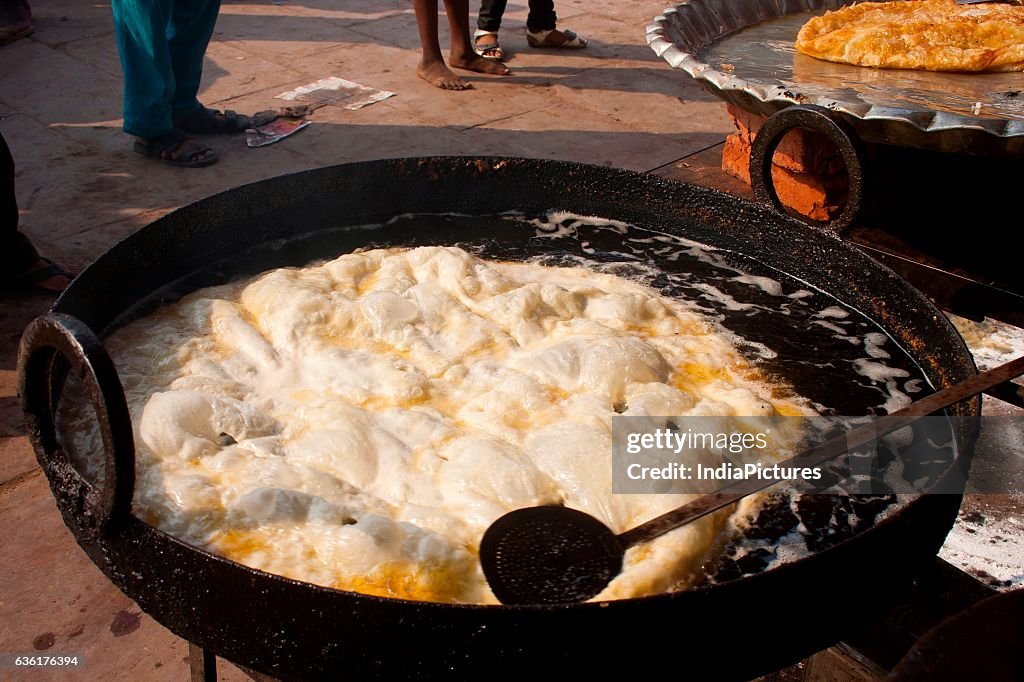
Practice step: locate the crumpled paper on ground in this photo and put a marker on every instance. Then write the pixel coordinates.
(274, 125)
(272, 132)
(336, 91)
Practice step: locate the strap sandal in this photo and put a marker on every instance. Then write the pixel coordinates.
(176, 149)
(204, 121)
(555, 38)
(43, 269)
(488, 49)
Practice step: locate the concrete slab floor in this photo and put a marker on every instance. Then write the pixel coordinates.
(81, 189)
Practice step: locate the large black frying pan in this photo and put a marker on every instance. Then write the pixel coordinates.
(736, 629)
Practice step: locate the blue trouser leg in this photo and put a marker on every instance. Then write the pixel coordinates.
(161, 44)
(192, 23)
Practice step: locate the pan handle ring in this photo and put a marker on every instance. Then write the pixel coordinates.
(820, 120)
(94, 507)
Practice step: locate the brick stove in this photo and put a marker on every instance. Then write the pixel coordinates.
(808, 171)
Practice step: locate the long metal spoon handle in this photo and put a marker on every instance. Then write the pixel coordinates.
(824, 452)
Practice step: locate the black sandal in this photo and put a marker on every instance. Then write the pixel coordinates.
(176, 149)
(30, 279)
(204, 121)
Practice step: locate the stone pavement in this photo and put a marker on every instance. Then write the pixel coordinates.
(81, 188)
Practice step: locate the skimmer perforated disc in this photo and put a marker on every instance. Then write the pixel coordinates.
(549, 555)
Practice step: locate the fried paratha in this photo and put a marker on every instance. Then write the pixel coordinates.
(931, 35)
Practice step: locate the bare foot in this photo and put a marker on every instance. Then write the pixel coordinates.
(474, 62)
(436, 73)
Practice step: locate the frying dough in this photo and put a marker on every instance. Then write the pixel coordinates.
(930, 35)
(359, 423)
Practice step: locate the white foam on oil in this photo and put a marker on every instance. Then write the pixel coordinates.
(715, 294)
(677, 246)
(565, 224)
(834, 312)
(873, 343)
(840, 332)
(913, 386)
(768, 285)
(886, 376)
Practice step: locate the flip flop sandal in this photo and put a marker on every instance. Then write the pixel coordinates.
(210, 121)
(490, 49)
(555, 38)
(176, 149)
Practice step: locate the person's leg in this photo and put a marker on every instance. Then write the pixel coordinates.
(461, 54)
(541, 28)
(432, 67)
(491, 12)
(188, 36)
(20, 263)
(542, 16)
(141, 27)
(488, 22)
(17, 255)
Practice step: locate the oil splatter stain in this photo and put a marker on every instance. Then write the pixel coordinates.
(44, 641)
(975, 517)
(125, 622)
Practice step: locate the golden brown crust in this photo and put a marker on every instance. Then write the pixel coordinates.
(931, 35)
